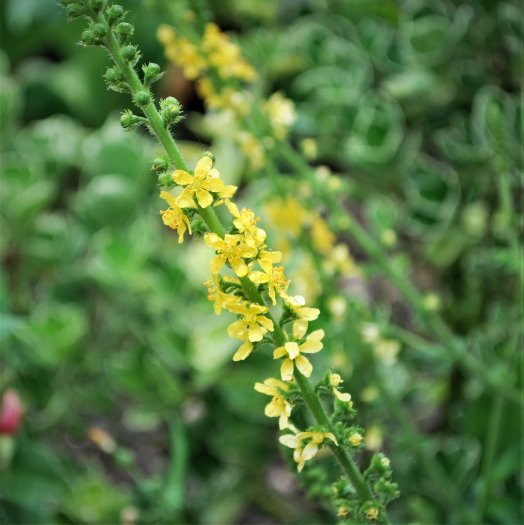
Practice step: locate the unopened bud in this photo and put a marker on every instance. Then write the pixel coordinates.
(130, 53)
(114, 13)
(142, 98)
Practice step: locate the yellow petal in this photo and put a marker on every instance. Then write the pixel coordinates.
(215, 185)
(185, 199)
(259, 277)
(232, 207)
(256, 333)
(310, 451)
(239, 267)
(311, 347)
(286, 370)
(182, 177)
(228, 191)
(304, 365)
(170, 199)
(309, 314)
(265, 389)
(276, 383)
(288, 440)
(203, 166)
(216, 263)
(292, 350)
(299, 328)
(243, 352)
(273, 408)
(279, 352)
(344, 397)
(238, 330)
(181, 231)
(204, 198)
(266, 323)
(317, 335)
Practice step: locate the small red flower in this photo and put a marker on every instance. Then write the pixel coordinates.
(11, 412)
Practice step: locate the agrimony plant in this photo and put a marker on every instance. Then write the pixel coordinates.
(246, 278)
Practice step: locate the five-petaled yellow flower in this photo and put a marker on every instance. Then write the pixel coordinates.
(231, 249)
(275, 279)
(200, 185)
(246, 223)
(174, 216)
(302, 453)
(303, 315)
(251, 327)
(278, 406)
(292, 352)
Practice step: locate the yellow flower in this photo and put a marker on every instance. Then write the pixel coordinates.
(292, 352)
(246, 222)
(334, 381)
(266, 258)
(206, 180)
(302, 454)
(231, 249)
(186, 55)
(355, 439)
(287, 215)
(372, 513)
(276, 281)
(303, 315)
(281, 114)
(253, 324)
(374, 439)
(322, 237)
(278, 406)
(174, 217)
(225, 55)
(165, 34)
(222, 300)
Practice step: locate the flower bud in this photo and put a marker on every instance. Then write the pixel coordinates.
(129, 121)
(142, 98)
(160, 165)
(97, 5)
(100, 30)
(11, 412)
(130, 53)
(125, 31)
(115, 80)
(74, 10)
(152, 73)
(114, 13)
(171, 111)
(88, 38)
(210, 155)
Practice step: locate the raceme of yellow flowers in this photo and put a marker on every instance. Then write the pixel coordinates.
(244, 251)
(221, 73)
(220, 70)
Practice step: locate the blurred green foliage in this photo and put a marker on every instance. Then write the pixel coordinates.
(105, 323)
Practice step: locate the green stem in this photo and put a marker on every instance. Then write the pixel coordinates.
(150, 111)
(348, 465)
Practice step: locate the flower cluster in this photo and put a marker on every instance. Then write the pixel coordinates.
(221, 74)
(245, 253)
